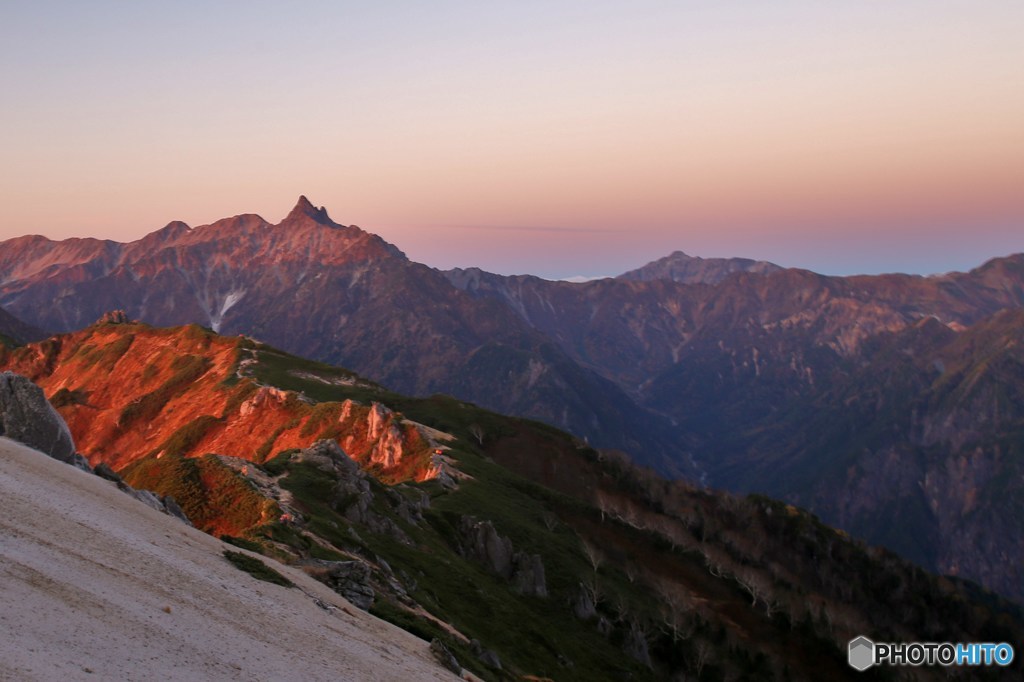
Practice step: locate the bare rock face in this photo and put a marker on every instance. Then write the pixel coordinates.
(483, 543)
(376, 420)
(388, 450)
(26, 416)
(350, 579)
(583, 606)
(528, 575)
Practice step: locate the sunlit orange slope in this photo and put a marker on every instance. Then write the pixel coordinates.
(129, 391)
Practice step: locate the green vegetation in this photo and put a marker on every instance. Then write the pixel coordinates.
(213, 496)
(65, 397)
(105, 357)
(256, 568)
(187, 436)
(708, 585)
(187, 368)
(244, 543)
(285, 371)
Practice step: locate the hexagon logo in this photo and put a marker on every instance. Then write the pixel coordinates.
(862, 653)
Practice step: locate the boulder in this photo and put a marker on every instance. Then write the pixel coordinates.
(27, 417)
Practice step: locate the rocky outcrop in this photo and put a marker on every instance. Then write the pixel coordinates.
(388, 450)
(583, 606)
(353, 496)
(483, 543)
(387, 439)
(444, 656)
(350, 579)
(115, 317)
(441, 471)
(264, 396)
(528, 575)
(165, 504)
(26, 416)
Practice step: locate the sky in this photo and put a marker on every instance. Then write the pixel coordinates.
(555, 138)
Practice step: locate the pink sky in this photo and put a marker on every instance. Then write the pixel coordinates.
(557, 138)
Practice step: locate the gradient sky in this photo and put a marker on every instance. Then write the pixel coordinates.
(558, 138)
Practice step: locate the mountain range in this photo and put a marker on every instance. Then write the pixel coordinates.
(886, 404)
(517, 550)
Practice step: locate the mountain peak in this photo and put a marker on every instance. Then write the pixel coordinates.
(305, 208)
(686, 269)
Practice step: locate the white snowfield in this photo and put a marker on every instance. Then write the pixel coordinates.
(97, 586)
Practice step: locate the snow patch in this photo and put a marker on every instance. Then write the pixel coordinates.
(229, 302)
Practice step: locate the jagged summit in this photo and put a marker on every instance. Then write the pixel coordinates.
(115, 317)
(305, 208)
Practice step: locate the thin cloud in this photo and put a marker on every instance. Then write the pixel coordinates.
(529, 228)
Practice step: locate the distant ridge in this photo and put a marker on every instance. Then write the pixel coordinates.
(686, 269)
